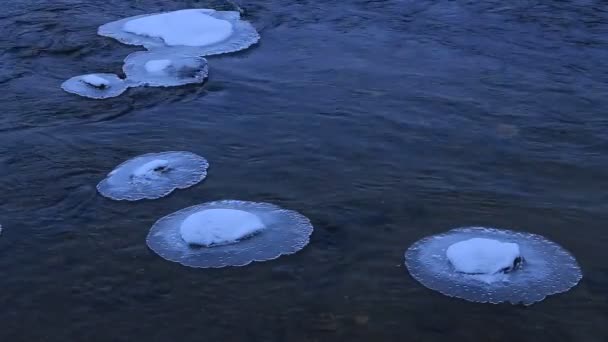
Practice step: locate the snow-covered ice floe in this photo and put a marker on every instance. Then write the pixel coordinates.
(194, 32)
(96, 86)
(153, 175)
(491, 265)
(164, 68)
(229, 233)
(177, 42)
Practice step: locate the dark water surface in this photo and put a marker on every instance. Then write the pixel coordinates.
(382, 121)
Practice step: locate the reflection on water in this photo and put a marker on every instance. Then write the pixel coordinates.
(381, 121)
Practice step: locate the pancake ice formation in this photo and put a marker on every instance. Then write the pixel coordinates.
(96, 86)
(229, 233)
(153, 175)
(177, 42)
(491, 265)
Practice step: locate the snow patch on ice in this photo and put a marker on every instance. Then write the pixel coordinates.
(219, 226)
(191, 27)
(483, 256)
(157, 65)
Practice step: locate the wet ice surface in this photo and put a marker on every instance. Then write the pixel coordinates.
(196, 32)
(153, 175)
(547, 268)
(285, 232)
(96, 86)
(164, 68)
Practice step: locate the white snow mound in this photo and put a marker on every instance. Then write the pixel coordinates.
(192, 27)
(482, 256)
(219, 226)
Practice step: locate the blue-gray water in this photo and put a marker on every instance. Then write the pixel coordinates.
(381, 121)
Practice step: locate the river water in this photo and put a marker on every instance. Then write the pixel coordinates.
(381, 121)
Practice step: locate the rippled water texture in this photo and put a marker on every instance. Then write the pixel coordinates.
(381, 121)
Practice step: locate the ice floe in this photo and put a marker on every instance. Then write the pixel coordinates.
(177, 41)
(491, 265)
(96, 86)
(153, 175)
(194, 32)
(164, 69)
(229, 233)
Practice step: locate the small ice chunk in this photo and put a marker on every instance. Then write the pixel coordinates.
(157, 65)
(229, 233)
(95, 81)
(151, 168)
(191, 27)
(153, 175)
(96, 86)
(164, 68)
(483, 256)
(219, 227)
